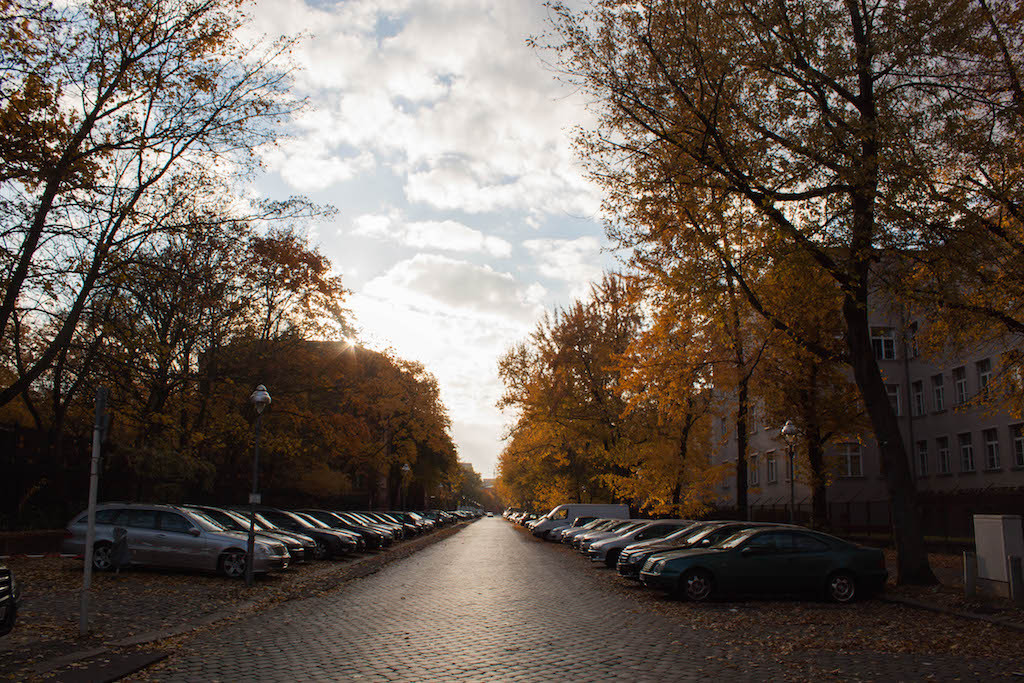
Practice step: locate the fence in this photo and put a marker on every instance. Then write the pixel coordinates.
(947, 518)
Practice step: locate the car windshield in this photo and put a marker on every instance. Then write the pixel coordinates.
(698, 536)
(310, 520)
(244, 521)
(206, 522)
(221, 518)
(680, 533)
(264, 521)
(736, 539)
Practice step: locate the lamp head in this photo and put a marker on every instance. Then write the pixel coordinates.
(260, 399)
(789, 431)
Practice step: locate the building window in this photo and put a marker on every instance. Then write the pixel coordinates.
(966, 452)
(883, 341)
(893, 390)
(752, 471)
(1017, 436)
(917, 391)
(942, 448)
(984, 368)
(912, 340)
(938, 393)
(771, 474)
(922, 458)
(991, 437)
(960, 380)
(850, 460)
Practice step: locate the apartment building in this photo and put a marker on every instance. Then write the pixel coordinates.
(957, 440)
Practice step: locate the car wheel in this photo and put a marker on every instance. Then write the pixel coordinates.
(696, 585)
(320, 551)
(841, 587)
(102, 557)
(232, 564)
(7, 624)
(612, 558)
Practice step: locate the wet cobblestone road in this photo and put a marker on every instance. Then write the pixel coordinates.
(491, 603)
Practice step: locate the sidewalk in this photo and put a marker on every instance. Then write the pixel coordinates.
(135, 610)
(948, 597)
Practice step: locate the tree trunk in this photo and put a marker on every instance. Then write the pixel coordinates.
(741, 450)
(912, 565)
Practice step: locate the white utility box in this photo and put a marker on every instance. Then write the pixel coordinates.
(995, 538)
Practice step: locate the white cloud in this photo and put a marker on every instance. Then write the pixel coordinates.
(449, 90)
(456, 288)
(576, 262)
(456, 317)
(439, 109)
(447, 235)
(310, 166)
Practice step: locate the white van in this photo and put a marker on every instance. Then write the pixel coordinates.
(565, 515)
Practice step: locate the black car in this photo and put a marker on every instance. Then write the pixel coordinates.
(329, 543)
(391, 532)
(373, 539)
(10, 597)
(702, 534)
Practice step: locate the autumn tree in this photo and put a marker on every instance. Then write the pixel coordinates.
(133, 99)
(293, 289)
(815, 393)
(669, 368)
(825, 126)
(563, 384)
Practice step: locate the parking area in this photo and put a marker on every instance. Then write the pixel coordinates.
(493, 603)
(148, 606)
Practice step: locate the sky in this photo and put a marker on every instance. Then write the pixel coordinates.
(445, 143)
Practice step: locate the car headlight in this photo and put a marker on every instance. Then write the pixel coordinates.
(654, 565)
(262, 550)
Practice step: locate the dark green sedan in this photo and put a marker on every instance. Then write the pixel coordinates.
(770, 560)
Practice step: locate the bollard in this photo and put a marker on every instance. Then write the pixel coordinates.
(1015, 577)
(970, 574)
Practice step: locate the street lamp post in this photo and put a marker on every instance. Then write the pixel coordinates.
(789, 432)
(260, 399)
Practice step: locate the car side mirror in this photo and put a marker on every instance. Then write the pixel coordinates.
(193, 531)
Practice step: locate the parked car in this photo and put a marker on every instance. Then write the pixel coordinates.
(300, 547)
(607, 550)
(331, 543)
(392, 532)
(564, 515)
(770, 560)
(372, 538)
(701, 534)
(582, 542)
(10, 598)
(170, 536)
(352, 536)
(558, 534)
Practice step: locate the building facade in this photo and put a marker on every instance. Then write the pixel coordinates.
(957, 440)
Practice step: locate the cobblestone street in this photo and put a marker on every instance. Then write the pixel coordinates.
(491, 603)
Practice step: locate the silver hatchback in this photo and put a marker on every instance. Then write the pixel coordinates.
(168, 536)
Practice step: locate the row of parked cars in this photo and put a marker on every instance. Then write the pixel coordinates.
(699, 560)
(212, 538)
